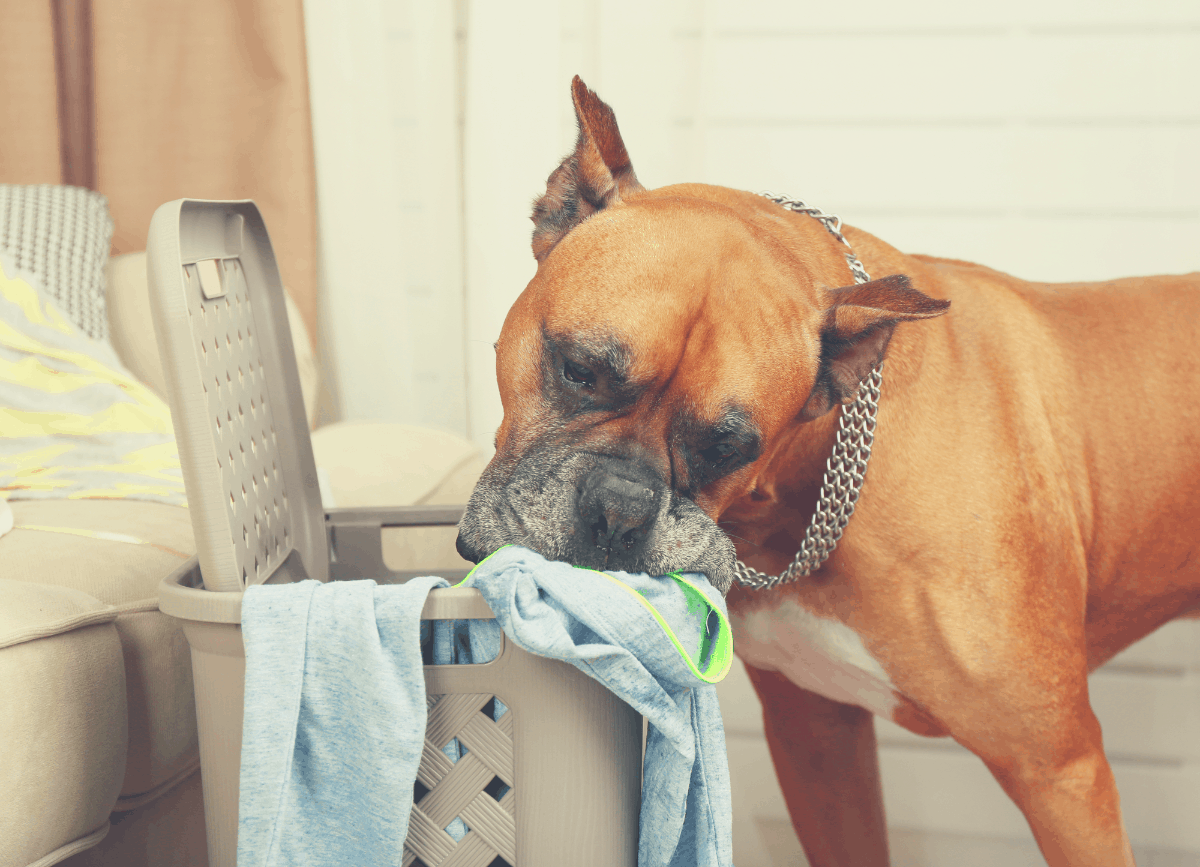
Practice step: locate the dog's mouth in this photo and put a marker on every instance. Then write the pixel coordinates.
(597, 512)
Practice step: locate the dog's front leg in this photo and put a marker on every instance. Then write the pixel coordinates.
(828, 767)
(1064, 785)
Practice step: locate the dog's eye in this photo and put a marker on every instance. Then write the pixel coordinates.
(573, 372)
(718, 455)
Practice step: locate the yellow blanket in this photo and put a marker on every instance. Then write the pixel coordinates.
(73, 422)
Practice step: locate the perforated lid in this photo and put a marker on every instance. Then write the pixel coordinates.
(234, 390)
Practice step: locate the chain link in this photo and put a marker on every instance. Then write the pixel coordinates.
(847, 466)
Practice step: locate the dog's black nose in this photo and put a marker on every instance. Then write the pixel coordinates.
(616, 515)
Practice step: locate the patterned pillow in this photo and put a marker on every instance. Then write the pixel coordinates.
(61, 235)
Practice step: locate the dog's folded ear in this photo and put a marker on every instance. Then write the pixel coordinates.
(595, 176)
(858, 325)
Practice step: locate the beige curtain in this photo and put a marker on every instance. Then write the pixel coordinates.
(151, 100)
(29, 139)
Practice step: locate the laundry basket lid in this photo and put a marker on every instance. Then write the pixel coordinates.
(234, 390)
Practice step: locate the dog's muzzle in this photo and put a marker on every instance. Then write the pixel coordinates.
(596, 511)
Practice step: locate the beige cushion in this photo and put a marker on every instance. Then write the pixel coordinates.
(131, 330)
(383, 464)
(63, 716)
(157, 672)
(377, 464)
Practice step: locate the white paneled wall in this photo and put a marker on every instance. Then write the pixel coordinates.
(1054, 139)
(512, 143)
(385, 106)
(1026, 148)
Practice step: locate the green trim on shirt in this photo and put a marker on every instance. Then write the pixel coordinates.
(719, 654)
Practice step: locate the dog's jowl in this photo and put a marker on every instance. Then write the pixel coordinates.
(673, 379)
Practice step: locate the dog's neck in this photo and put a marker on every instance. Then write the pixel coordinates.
(768, 524)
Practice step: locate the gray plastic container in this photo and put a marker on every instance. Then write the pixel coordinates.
(570, 750)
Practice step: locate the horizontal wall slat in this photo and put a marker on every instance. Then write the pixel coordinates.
(966, 167)
(1054, 250)
(1175, 644)
(835, 167)
(825, 77)
(1109, 169)
(946, 792)
(1145, 718)
(1148, 716)
(1128, 75)
(1047, 75)
(948, 14)
(1147, 698)
(955, 793)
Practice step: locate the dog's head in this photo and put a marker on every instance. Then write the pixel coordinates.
(669, 343)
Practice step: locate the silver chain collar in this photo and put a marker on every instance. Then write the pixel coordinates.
(846, 467)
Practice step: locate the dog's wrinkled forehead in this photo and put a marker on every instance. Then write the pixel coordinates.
(662, 256)
(642, 287)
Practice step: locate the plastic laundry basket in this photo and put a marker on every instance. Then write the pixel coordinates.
(569, 750)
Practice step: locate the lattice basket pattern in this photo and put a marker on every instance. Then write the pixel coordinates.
(466, 789)
(260, 526)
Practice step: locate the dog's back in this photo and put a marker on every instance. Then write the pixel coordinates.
(1111, 371)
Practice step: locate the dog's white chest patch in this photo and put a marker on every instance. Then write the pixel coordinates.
(815, 653)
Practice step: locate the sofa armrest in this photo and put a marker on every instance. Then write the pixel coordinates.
(64, 732)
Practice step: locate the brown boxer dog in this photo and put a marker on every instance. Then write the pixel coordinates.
(671, 380)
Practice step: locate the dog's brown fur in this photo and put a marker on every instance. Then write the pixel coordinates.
(1030, 506)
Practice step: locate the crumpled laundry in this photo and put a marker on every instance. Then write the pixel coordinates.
(335, 701)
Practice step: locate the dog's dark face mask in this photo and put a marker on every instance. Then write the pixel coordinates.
(595, 509)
